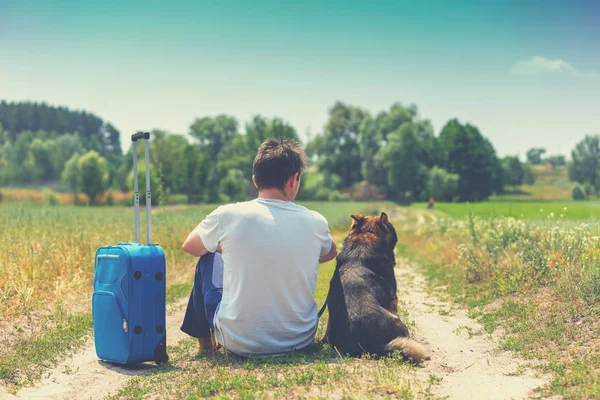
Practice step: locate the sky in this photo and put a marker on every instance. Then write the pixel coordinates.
(526, 73)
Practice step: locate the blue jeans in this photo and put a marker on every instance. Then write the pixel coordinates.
(205, 297)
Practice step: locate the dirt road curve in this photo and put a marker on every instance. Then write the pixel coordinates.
(470, 368)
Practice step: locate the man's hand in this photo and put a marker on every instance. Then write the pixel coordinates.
(329, 256)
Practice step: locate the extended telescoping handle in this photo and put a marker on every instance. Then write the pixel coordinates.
(136, 197)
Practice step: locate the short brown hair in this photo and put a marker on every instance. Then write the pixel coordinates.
(276, 161)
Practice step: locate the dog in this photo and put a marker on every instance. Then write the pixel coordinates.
(362, 301)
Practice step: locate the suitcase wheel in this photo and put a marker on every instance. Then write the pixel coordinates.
(162, 360)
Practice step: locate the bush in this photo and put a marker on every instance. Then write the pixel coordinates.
(110, 199)
(337, 196)
(364, 191)
(177, 199)
(51, 198)
(316, 186)
(233, 186)
(155, 184)
(578, 193)
(442, 185)
(588, 189)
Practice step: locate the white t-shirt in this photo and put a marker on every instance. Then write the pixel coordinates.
(270, 252)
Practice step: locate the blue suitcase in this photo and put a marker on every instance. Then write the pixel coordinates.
(129, 300)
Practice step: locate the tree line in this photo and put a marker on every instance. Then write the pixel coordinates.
(394, 155)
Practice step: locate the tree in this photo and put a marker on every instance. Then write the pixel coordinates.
(43, 152)
(233, 187)
(528, 177)
(196, 166)
(165, 151)
(65, 146)
(156, 183)
(260, 129)
(214, 133)
(578, 193)
(585, 161)
(71, 175)
(20, 117)
(407, 175)
(442, 185)
(339, 152)
(473, 158)
(94, 175)
(534, 155)
(514, 173)
(316, 186)
(371, 140)
(398, 115)
(556, 161)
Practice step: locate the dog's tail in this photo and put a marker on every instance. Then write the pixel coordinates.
(409, 349)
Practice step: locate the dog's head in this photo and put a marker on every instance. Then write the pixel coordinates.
(379, 231)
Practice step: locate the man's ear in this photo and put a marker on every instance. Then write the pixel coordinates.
(357, 221)
(384, 221)
(254, 181)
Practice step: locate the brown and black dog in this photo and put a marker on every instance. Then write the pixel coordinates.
(362, 302)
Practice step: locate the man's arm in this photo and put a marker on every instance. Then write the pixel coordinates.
(193, 245)
(329, 256)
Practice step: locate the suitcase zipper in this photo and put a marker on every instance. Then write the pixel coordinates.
(125, 328)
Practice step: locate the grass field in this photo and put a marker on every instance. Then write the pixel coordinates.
(529, 210)
(321, 373)
(46, 271)
(534, 275)
(528, 267)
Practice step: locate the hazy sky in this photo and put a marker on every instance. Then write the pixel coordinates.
(527, 73)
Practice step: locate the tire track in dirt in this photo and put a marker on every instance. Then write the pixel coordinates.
(470, 368)
(84, 376)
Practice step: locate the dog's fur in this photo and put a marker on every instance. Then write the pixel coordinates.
(362, 300)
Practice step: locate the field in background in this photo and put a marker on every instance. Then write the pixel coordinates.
(531, 210)
(550, 184)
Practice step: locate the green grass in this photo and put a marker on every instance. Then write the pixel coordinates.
(571, 210)
(338, 213)
(47, 265)
(321, 373)
(540, 283)
(31, 357)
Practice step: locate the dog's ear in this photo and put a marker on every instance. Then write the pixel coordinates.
(357, 221)
(384, 221)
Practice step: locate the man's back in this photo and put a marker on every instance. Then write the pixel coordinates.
(270, 252)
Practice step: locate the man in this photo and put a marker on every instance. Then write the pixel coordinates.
(258, 264)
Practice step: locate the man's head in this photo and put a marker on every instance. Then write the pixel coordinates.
(278, 165)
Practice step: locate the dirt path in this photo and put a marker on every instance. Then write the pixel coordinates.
(83, 376)
(470, 368)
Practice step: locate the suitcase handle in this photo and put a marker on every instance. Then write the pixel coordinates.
(136, 195)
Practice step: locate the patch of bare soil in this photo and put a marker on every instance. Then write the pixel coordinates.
(470, 363)
(84, 376)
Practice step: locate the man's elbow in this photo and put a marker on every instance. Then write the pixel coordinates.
(191, 248)
(187, 248)
(329, 256)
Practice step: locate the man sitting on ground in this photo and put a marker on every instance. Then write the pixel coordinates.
(258, 263)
